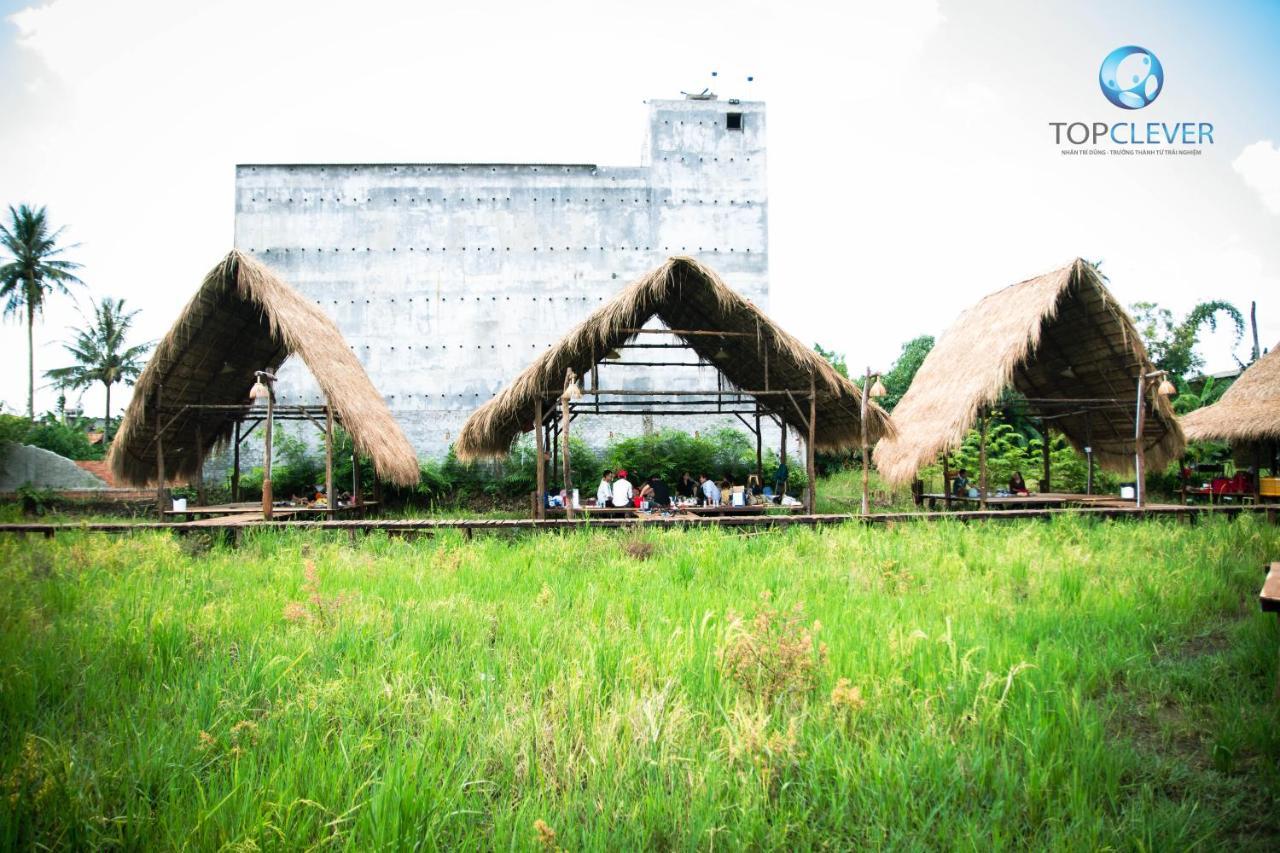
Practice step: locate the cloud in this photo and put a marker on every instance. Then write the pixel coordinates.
(1259, 166)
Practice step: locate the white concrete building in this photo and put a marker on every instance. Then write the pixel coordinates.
(448, 278)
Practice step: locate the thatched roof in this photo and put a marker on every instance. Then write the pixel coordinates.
(243, 319)
(1248, 412)
(683, 294)
(1058, 337)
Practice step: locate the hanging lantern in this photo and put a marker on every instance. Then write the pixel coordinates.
(259, 390)
(1166, 388)
(878, 390)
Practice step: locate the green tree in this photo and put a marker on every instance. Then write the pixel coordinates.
(31, 274)
(835, 359)
(1171, 344)
(102, 353)
(899, 377)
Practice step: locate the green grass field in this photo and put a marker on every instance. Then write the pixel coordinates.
(1057, 684)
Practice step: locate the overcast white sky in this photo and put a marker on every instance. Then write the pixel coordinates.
(911, 165)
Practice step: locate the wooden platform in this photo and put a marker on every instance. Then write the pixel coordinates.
(248, 510)
(686, 511)
(1039, 499)
(237, 524)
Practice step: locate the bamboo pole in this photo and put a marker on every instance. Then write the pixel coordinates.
(982, 460)
(759, 452)
(266, 462)
(330, 497)
(570, 390)
(1044, 453)
(539, 440)
(235, 466)
(946, 480)
(159, 457)
(783, 457)
(811, 456)
(866, 470)
(1139, 454)
(200, 490)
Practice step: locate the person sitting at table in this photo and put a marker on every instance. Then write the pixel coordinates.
(960, 485)
(753, 486)
(726, 488)
(687, 487)
(1017, 485)
(710, 491)
(645, 492)
(780, 477)
(604, 491)
(659, 494)
(622, 489)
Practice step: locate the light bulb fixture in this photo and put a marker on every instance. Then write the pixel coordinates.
(261, 390)
(720, 355)
(1166, 388)
(612, 355)
(878, 390)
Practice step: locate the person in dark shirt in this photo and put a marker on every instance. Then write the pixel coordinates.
(687, 487)
(660, 494)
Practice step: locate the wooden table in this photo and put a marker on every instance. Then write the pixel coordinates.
(1032, 501)
(687, 511)
(251, 508)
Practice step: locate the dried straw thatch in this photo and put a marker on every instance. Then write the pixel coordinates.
(683, 294)
(1249, 411)
(243, 319)
(1061, 336)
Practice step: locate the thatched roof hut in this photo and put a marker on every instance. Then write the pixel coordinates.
(1058, 338)
(685, 295)
(243, 319)
(1248, 412)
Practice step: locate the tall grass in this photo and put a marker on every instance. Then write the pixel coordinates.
(1061, 684)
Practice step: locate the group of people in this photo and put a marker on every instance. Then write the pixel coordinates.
(616, 490)
(960, 485)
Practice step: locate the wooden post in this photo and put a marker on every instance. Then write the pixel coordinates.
(569, 381)
(235, 466)
(783, 457)
(266, 462)
(540, 505)
(1088, 454)
(759, 450)
(866, 469)
(1257, 473)
(811, 458)
(1139, 452)
(1044, 453)
(160, 495)
(982, 459)
(946, 480)
(330, 497)
(357, 495)
(200, 490)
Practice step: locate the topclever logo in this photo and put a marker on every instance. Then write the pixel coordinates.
(1131, 77)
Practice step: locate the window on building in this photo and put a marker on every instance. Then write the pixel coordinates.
(733, 121)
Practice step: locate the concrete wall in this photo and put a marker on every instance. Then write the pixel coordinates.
(447, 279)
(22, 464)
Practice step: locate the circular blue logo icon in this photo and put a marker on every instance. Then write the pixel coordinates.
(1131, 77)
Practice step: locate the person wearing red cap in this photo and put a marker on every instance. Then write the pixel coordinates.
(622, 490)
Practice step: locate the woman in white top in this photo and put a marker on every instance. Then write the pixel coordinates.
(604, 491)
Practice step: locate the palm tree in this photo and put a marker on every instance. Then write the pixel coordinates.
(33, 271)
(101, 354)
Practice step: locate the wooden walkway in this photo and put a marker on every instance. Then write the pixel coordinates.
(403, 526)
